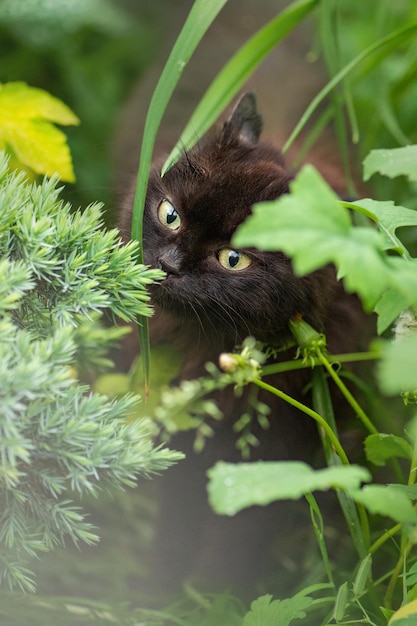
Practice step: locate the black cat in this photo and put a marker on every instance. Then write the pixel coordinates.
(213, 296)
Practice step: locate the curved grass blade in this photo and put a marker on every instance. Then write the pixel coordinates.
(355, 515)
(330, 37)
(235, 73)
(390, 41)
(198, 21)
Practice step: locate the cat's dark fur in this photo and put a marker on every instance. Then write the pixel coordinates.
(205, 309)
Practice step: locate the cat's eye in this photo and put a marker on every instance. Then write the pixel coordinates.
(168, 215)
(233, 259)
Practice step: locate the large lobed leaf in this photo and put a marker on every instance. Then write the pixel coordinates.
(235, 487)
(313, 228)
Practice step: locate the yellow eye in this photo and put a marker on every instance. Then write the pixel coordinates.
(168, 215)
(233, 260)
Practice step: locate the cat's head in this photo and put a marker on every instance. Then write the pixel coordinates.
(190, 216)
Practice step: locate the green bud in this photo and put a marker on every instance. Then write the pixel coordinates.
(308, 339)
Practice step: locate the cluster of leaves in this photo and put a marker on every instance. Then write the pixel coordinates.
(59, 270)
(58, 274)
(190, 405)
(86, 53)
(357, 251)
(314, 228)
(27, 131)
(199, 609)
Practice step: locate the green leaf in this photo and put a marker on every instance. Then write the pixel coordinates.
(267, 612)
(408, 490)
(313, 228)
(341, 602)
(397, 370)
(389, 217)
(235, 487)
(388, 501)
(403, 293)
(405, 616)
(389, 307)
(410, 620)
(362, 576)
(235, 73)
(27, 117)
(381, 447)
(412, 576)
(392, 163)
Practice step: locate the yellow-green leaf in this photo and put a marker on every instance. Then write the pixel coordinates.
(407, 611)
(27, 118)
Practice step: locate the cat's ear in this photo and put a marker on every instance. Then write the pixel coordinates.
(244, 123)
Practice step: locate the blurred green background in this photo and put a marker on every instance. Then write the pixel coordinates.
(92, 54)
(88, 53)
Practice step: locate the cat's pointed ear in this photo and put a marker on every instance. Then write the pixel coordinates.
(244, 123)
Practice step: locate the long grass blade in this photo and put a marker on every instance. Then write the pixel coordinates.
(330, 44)
(198, 21)
(235, 73)
(355, 515)
(389, 41)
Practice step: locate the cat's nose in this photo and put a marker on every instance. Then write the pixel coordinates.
(170, 262)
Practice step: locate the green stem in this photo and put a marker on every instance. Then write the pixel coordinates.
(406, 545)
(318, 526)
(345, 391)
(395, 574)
(305, 409)
(383, 538)
(413, 467)
(284, 366)
(354, 513)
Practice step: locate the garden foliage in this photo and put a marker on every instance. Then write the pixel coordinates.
(59, 271)
(27, 131)
(313, 227)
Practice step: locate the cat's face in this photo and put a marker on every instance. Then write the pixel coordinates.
(191, 214)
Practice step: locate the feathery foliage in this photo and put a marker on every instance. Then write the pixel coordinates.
(58, 271)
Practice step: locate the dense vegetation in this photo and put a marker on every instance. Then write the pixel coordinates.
(60, 270)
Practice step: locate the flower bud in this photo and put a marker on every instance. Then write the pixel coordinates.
(228, 363)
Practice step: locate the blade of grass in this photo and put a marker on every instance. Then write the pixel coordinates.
(235, 73)
(355, 515)
(390, 41)
(328, 24)
(198, 21)
(318, 527)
